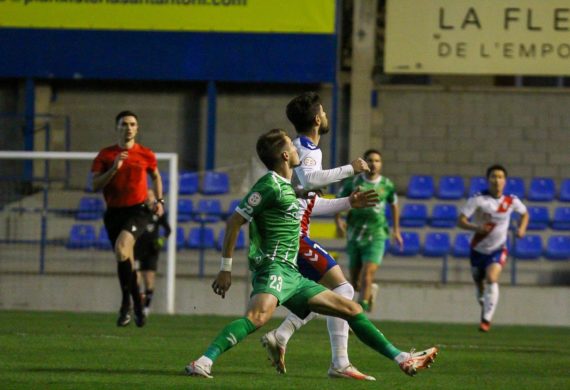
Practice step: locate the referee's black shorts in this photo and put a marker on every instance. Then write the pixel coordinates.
(132, 219)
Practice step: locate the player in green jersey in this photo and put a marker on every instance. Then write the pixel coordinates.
(272, 210)
(367, 229)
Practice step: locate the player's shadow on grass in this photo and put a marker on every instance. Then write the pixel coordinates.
(114, 371)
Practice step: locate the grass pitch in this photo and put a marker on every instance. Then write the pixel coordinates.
(87, 351)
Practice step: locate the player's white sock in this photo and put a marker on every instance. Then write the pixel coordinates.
(205, 362)
(402, 357)
(490, 300)
(290, 325)
(338, 330)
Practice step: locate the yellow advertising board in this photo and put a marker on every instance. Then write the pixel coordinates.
(251, 16)
(522, 37)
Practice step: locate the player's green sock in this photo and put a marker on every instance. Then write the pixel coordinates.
(230, 336)
(365, 305)
(371, 336)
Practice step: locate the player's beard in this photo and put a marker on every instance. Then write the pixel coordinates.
(324, 129)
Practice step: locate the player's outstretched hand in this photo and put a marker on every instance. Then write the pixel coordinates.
(359, 165)
(364, 199)
(222, 283)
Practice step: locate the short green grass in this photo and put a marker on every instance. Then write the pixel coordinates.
(87, 351)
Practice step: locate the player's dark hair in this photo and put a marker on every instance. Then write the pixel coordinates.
(123, 114)
(302, 111)
(269, 147)
(371, 151)
(496, 167)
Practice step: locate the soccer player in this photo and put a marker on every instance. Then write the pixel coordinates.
(121, 171)
(368, 228)
(147, 250)
(272, 209)
(491, 211)
(310, 120)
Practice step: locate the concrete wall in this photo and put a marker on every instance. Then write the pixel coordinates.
(439, 131)
(427, 302)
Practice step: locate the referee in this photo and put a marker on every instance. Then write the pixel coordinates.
(121, 171)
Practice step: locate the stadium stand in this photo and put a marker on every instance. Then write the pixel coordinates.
(450, 188)
(185, 210)
(461, 245)
(103, 242)
(542, 189)
(215, 183)
(411, 245)
(515, 186)
(436, 244)
(420, 187)
(564, 195)
(539, 217)
(208, 210)
(558, 248)
(81, 237)
(165, 182)
(90, 208)
(528, 248)
(476, 184)
(561, 219)
(444, 216)
(240, 243)
(414, 215)
(232, 206)
(201, 238)
(188, 183)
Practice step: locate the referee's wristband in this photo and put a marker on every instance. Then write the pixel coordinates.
(160, 200)
(226, 264)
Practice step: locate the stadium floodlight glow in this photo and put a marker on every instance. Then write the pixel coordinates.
(171, 197)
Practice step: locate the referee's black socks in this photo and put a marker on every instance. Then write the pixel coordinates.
(125, 271)
(148, 297)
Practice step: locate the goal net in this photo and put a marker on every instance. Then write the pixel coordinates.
(51, 220)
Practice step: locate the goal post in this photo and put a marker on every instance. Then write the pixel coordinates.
(171, 197)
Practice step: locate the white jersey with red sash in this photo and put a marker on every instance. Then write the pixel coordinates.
(495, 212)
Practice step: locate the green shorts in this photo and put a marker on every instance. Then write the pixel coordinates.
(290, 288)
(365, 252)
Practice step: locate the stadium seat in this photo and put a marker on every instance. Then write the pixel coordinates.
(208, 210)
(89, 183)
(558, 248)
(90, 208)
(411, 245)
(542, 189)
(179, 238)
(444, 216)
(233, 204)
(420, 187)
(477, 184)
(103, 242)
(436, 244)
(450, 187)
(413, 215)
(188, 183)
(165, 182)
(389, 218)
(201, 238)
(564, 195)
(539, 217)
(81, 237)
(461, 245)
(215, 183)
(185, 209)
(528, 248)
(515, 186)
(561, 219)
(240, 243)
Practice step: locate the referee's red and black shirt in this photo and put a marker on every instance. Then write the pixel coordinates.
(129, 185)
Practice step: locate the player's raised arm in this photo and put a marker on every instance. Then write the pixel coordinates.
(223, 281)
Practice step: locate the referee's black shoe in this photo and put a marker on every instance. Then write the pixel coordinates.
(140, 318)
(124, 317)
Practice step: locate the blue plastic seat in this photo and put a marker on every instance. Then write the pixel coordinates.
(165, 176)
(561, 219)
(444, 216)
(528, 248)
(515, 186)
(103, 242)
(388, 214)
(542, 189)
(461, 245)
(81, 237)
(436, 244)
(180, 237)
(90, 208)
(558, 248)
(413, 215)
(201, 238)
(450, 187)
(232, 207)
(539, 217)
(208, 210)
(215, 183)
(420, 187)
(564, 195)
(188, 183)
(476, 185)
(411, 245)
(185, 209)
(240, 243)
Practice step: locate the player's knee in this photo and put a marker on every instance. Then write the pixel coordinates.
(258, 319)
(122, 250)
